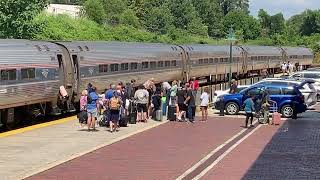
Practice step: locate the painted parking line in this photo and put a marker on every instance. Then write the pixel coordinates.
(205, 171)
(38, 126)
(194, 168)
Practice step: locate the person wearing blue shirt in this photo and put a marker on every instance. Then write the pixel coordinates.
(249, 109)
(92, 109)
(109, 92)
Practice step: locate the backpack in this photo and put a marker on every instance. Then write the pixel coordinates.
(89, 99)
(140, 95)
(114, 104)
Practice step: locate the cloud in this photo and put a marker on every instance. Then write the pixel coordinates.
(287, 7)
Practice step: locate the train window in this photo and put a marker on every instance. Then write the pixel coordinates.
(200, 61)
(221, 59)
(160, 64)
(167, 63)
(133, 66)
(28, 73)
(206, 61)
(153, 65)
(226, 59)
(8, 75)
(145, 65)
(87, 48)
(114, 67)
(211, 60)
(103, 68)
(124, 66)
(216, 60)
(80, 48)
(174, 63)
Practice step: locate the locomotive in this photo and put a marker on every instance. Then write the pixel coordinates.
(33, 71)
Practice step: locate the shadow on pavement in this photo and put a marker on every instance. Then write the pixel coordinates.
(293, 153)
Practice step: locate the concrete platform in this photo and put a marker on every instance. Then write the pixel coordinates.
(34, 151)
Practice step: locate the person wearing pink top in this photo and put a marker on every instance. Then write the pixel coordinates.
(83, 100)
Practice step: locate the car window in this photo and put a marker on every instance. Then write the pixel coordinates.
(255, 91)
(312, 75)
(273, 91)
(287, 91)
(296, 75)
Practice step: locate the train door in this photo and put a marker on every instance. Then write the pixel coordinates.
(76, 73)
(185, 74)
(66, 73)
(244, 61)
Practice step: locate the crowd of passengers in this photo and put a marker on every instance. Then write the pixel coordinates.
(148, 98)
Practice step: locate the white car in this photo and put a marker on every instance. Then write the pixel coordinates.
(307, 88)
(220, 93)
(310, 74)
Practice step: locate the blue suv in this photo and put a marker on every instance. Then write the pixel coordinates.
(284, 95)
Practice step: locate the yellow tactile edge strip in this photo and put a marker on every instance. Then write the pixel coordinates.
(42, 125)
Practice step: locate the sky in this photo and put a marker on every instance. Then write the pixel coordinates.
(287, 7)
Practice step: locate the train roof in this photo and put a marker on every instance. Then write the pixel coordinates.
(123, 51)
(213, 50)
(263, 50)
(27, 52)
(297, 51)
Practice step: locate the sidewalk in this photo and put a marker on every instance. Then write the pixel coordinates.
(37, 150)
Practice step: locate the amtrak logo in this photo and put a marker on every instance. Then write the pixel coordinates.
(45, 73)
(91, 70)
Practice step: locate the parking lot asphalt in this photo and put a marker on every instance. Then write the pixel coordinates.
(290, 151)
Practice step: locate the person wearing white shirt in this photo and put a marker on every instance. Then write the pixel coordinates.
(284, 67)
(204, 104)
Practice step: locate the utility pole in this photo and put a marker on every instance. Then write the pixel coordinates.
(231, 37)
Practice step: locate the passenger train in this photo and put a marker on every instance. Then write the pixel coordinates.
(33, 71)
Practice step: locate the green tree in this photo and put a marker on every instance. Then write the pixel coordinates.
(265, 22)
(277, 25)
(311, 23)
(232, 5)
(113, 10)
(94, 10)
(128, 17)
(16, 18)
(247, 25)
(211, 16)
(186, 17)
(159, 19)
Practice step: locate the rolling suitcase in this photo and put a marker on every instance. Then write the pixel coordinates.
(276, 117)
(132, 113)
(172, 113)
(159, 115)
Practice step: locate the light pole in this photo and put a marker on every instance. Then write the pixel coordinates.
(231, 37)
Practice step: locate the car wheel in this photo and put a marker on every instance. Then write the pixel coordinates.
(232, 108)
(287, 111)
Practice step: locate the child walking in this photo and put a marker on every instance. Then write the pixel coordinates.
(249, 109)
(204, 104)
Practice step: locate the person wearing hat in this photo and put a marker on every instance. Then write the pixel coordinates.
(233, 87)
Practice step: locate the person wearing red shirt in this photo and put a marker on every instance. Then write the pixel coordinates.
(194, 86)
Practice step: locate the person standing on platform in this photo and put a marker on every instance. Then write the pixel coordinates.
(233, 87)
(166, 93)
(249, 109)
(195, 86)
(114, 106)
(284, 68)
(190, 102)
(92, 109)
(141, 96)
(173, 93)
(181, 95)
(204, 104)
(290, 67)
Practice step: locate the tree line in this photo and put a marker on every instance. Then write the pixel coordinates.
(159, 21)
